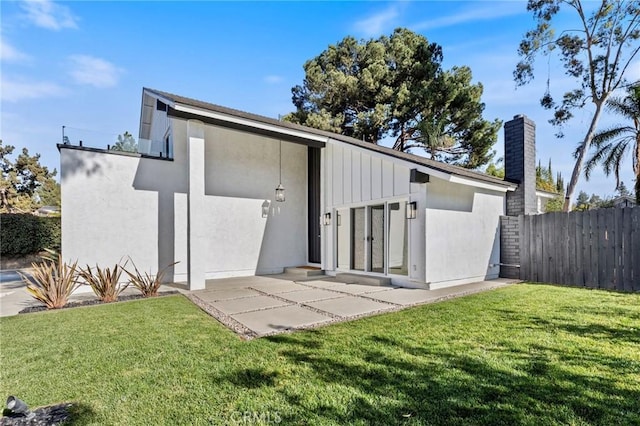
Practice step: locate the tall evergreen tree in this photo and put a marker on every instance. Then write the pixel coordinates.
(395, 87)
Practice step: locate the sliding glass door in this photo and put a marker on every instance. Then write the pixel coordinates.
(373, 239)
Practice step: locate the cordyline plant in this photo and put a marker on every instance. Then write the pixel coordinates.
(105, 282)
(52, 282)
(147, 284)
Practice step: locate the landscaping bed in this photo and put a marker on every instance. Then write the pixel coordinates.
(96, 301)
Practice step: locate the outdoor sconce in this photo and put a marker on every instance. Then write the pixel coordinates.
(265, 208)
(412, 210)
(326, 219)
(19, 407)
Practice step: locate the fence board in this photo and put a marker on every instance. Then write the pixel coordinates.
(535, 263)
(525, 249)
(595, 249)
(578, 274)
(635, 237)
(610, 238)
(627, 250)
(617, 274)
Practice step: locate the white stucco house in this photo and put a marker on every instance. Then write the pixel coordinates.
(202, 191)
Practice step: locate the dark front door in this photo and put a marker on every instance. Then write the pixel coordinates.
(313, 208)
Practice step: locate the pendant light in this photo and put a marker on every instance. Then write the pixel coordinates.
(280, 188)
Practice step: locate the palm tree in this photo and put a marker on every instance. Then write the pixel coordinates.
(612, 145)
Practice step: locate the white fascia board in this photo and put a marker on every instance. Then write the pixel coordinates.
(480, 184)
(250, 123)
(545, 194)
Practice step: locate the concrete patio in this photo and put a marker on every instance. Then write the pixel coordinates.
(265, 305)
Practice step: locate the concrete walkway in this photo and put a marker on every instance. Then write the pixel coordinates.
(266, 305)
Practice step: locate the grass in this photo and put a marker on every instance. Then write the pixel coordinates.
(525, 354)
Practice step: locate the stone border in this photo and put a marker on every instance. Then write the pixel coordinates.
(96, 301)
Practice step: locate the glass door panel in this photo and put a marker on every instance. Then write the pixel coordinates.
(376, 239)
(358, 238)
(343, 221)
(398, 239)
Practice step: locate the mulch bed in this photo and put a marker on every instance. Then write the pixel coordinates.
(90, 302)
(44, 416)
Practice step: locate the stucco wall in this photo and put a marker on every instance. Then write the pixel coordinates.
(249, 232)
(110, 206)
(116, 205)
(462, 233)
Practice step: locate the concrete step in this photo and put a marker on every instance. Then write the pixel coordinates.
(362, 279)
(305, 271)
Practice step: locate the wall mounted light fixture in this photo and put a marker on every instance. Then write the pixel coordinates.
(412, 210)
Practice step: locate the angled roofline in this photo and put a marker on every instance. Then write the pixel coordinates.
(183, 105)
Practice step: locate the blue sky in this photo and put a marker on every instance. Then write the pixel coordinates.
(83, 64)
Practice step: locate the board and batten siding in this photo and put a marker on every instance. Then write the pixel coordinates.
(356, 177)
(353, 176)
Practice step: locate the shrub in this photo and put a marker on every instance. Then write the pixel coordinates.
(22, 234)
(147, 284)
(53, 281)
(104, 282)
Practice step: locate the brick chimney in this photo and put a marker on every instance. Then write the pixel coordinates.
(520, 164)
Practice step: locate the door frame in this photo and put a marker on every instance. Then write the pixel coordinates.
(367, 206)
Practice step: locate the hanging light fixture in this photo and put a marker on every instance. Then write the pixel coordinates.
(280, 188)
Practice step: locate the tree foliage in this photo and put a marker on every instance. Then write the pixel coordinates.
(395, 87)
(586, 202)
(25, 184)
(595, 55)
(546, 181)
(613, 144)
(126, 142)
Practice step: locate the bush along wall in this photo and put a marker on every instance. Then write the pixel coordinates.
(23, 234)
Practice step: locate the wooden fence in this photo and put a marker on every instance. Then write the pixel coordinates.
(595, 248)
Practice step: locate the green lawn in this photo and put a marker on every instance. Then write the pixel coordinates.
(525, 354)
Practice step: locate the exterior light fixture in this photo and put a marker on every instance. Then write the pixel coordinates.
(19, 407)
(280, 188)
(327, 219)
(412, 210)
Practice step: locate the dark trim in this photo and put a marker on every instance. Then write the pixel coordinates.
(313, 206)
(416, 176)
(108, 151)
(172, 112)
